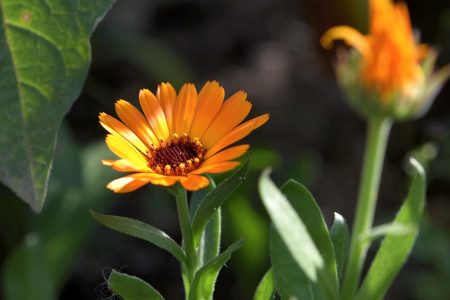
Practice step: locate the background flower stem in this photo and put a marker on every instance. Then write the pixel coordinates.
(188, 239)
(377, 136)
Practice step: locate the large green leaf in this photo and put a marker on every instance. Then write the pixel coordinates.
(310, 248)
(143, 231)
(44, 58)
(309, 212)
(214, 199)
(205, 278)
(395, 249)
(131, 287)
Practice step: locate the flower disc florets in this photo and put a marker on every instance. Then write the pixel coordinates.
(178, 158)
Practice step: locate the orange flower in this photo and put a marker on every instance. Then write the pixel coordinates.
(179, 137)
(390, 55)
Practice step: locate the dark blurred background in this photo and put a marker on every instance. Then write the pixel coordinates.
(269, 49)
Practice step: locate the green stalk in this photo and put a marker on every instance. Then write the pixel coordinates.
(377, 136)
(188, 239)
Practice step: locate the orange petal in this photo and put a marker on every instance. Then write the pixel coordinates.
(164, 180)
(210, 100)
(126, 184)
(154, 113)
(167, 96)
(349, 35)
(123, 165)
(232, 112)
(237, 134)
(114, 126)
(184, 110)
(134, 181)
(228, 154)
(134, 119)
(122, 148)
(217, 168)
(194, 182)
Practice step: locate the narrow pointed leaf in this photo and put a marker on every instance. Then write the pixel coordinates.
(131, 287)
(142, 231)
(266, 287)
(44, 59)
(214, 199)
(205, 278)
(394, 249)
(309, 212)
(301, 245)
(290, 227)
(340, 238)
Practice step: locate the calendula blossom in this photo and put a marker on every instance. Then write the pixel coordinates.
(391, 64)
(178, 137)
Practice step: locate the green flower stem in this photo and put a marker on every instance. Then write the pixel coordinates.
(377, 136)
(188, 238)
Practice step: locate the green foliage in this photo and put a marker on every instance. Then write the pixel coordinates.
(131, 287)
(28, 274)
(394, 249)
(40, 264)
(214, 199)
(309, 212)
(303, 237)
(209, 246)
(45, 55)
(142, 231)
(266, 288)
(205, 278)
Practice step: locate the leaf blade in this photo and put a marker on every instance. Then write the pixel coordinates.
(340, 237)
(266, 287)
(131, 287)
(142, 231)
(214, 199)
(290, 228)
(205, 278)
(394, 249)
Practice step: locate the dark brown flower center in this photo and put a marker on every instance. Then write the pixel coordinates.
(177, 158)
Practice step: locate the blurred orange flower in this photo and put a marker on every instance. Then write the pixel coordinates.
(391, 56)
(179, 137)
